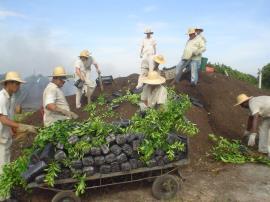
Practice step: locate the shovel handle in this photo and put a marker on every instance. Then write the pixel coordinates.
(100, 83)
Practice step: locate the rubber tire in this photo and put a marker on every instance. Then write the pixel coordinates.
(158, 189)
(66, 195)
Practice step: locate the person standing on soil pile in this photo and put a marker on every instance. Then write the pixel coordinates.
(258, 107)
(148, 50)
(191, 58)
(82, 73)
(199, 35)
(54, 101)
(154, 94)
(8, 127)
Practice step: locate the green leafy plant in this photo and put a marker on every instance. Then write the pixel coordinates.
(224, 69)
(81, 184)
(128, 97)
(21, 117)
(52, 172)
(155, 126)
(232, 151)
(11, 176)
(177, 146)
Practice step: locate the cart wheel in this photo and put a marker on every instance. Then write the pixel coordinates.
(165, 187)
(66, 196)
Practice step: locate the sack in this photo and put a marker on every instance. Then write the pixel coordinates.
(170, 73)
(79, 83)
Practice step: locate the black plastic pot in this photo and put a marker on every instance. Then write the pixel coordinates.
(109, 158)
(88, 161)
(34, 171)
(47, 154)
(116, 149)
(105, 169)
(121, 158)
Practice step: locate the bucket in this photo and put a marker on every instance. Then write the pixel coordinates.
(203, 63)
(209, 69)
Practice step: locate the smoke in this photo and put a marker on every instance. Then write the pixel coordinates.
(36, 51)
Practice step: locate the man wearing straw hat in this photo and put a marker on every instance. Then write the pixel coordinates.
(83, 69)
(154, 93)
(258, 107)
(9, 128)
(148, 50)
(191, 58)
(156, 60)
(199, 34)
(54, 101)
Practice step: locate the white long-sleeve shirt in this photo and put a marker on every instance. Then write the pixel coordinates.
(194, 49)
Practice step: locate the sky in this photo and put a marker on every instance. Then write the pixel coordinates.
(37, 35)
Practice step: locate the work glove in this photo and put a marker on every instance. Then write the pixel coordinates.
(67, 113)
(251, 140)
(19, 137)
(142, 106)
(24, 128)
(98, 71)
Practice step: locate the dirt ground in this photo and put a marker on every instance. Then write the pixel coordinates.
(205, 180)
(217, 183)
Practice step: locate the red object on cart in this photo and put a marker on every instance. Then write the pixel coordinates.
(210, 69)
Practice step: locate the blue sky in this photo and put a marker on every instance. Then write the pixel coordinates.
(36, 35)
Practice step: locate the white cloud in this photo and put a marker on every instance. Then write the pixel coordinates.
(5, 13)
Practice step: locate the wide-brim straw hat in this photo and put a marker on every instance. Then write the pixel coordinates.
(191, 31)
(148, 31)
(59, 71)
(159, 59)
(242, 98)
(13, 76)
(85, 53)
(197, 28)
(154, 78)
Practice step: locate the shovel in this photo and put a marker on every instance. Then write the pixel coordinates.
(100, 83)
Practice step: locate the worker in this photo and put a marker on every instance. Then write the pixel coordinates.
(258, 107)
(191, 58)
(154, 94)
(9, 129)
(54, 101)
(82, 73)
(148, 50)
(199, 34)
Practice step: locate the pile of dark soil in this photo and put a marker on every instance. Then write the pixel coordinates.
(215, 91)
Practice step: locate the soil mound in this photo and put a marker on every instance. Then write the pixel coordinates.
(216, 92)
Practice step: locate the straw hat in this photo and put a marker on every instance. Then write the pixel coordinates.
(58, 72)
(159, 59)
(85, 53)
(154, 78)
(148, 31)
(191, 31)
(197, 28)
(242, 98)
(13, 76)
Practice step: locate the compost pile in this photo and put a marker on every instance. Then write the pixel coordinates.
(70, 149)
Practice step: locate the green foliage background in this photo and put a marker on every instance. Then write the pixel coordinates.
(221, 68)
(266, 76)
